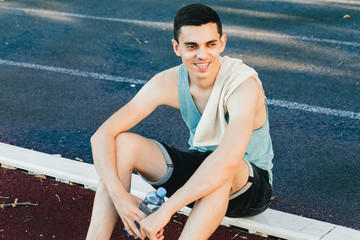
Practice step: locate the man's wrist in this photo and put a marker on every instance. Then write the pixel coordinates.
(169, 207)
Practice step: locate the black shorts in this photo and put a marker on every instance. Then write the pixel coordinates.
(252, 199)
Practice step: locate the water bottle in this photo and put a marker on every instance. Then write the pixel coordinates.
(153, 201)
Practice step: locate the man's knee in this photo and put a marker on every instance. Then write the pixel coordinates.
(126, 142)
(127, 148)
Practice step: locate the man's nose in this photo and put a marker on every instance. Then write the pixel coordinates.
(202, 52)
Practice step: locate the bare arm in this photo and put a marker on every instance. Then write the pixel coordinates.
(160, 90)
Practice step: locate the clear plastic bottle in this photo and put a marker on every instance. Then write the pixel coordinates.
(153, 201)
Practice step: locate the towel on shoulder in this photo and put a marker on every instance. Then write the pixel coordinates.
(212, 125)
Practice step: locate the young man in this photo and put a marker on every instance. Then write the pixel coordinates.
(227, 170)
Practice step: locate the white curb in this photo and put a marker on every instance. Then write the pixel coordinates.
(271, 222)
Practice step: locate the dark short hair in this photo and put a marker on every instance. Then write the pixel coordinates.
(195, 14)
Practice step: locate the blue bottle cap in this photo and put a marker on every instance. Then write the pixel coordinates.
(161, 192)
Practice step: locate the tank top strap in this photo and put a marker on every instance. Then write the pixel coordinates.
(188, 109)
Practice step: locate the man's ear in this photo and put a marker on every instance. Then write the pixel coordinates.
(222, 42)
(175, 47)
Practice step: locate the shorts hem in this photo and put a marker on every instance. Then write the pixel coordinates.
(247, 185)
(169, 164)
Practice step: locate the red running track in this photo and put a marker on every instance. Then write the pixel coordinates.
(64, 211)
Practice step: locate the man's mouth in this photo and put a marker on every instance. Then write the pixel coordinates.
(202, 66)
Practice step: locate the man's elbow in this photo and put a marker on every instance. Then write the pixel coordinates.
(231, 166)
(99, 136)
(232, 163)
(94, 140)
(97, 141)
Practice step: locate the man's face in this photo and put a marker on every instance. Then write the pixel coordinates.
(199, 48)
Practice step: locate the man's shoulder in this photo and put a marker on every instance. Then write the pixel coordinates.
(164, 87)
(231, 63)
(165, 79)
(170, 74)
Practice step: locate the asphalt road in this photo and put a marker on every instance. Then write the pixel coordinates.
(66, 66)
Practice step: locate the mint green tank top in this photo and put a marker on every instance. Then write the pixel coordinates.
(259, 150)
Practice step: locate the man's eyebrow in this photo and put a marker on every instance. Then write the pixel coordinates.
(190, 43)
(212, 41)
(195, 43)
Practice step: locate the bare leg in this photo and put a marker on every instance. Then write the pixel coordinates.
(209, 211)
(104, 215)
(207, 215)
(133, 153)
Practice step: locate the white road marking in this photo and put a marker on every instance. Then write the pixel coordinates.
(73, 72)
(168, 25)
(235, 30)
(314, 109)
(74, 15)
(319, 2)
(272, 102)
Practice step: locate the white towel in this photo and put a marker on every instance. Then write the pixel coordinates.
(212, 125)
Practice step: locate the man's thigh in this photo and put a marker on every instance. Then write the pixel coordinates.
(256, 199)
(140, 154)
(182, 165)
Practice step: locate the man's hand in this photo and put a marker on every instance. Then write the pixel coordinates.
(128, 209)
(153, 225)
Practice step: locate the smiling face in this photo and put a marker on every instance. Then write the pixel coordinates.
(199, 48)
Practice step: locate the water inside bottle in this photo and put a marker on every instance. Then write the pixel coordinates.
(151, 204)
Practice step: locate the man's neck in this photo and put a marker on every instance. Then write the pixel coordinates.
(202, 84)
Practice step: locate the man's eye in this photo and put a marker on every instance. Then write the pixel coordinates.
(190, 46)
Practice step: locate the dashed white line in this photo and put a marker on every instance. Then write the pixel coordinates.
(168, 25)
(273, 102)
